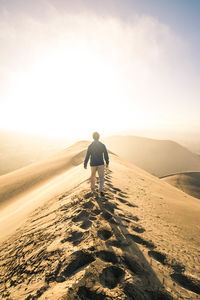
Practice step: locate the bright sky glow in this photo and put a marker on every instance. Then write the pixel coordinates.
(70, 73)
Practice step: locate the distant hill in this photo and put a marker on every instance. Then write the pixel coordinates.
(18, 150)
(158, 157)
(187, 182)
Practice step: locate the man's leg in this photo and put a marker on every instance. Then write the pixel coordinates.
(101, 177)
(93, 177)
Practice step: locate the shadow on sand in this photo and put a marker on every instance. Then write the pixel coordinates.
(146, 284)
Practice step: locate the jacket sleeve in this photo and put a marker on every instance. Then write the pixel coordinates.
(87, 157)
(106, 157)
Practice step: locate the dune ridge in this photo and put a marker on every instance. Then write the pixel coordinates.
(21, 181)
(140, 241)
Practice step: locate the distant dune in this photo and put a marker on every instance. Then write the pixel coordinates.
(20, 182)
(158, 157)
(18, 150)
(187, 182)
(58, 241)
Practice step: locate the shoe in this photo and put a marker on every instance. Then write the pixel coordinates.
(102, 194)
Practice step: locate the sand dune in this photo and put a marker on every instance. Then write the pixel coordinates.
(158, 157)
(18, 183)
(18, 150)
(140, 241)
(187, 182)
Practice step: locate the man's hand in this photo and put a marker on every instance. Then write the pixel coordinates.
(106, 165)
(85, 167)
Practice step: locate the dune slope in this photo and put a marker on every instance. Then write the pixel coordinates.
(139, 241)
(18, 183)
(18, 150)
(188, 182)
(158, 157)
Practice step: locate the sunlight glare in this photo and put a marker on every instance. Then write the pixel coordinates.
(67, 91)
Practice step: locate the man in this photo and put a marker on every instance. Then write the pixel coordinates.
(97, 152)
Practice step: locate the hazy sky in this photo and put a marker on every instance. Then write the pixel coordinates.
(72, 67)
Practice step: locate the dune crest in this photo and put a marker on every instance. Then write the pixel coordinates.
(19, 182)
(139, 241)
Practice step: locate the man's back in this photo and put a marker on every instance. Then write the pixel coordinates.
(97, 152)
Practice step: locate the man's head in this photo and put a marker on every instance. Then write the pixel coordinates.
(96, 136)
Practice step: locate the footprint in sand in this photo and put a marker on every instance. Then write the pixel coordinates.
(177, 267)
(110, 207)
(161, 257)
(88, 195)
(109, 184)
(164, 260)
(126, 220)
(111, 276)
(88, 204)
(128, 217)
(74, 263)
(112, 189)
(107, 256)
(188, 282)
(137, 239)
(122, 195)
(131, 205)
(104, 234)
(108, 181)
(126, 202)
(121, 200)
(86, 224)
(85, 293)
(134, 218)
(137, 229)
(106, 215)
(116, 189)
(81, 216)
(75, 237)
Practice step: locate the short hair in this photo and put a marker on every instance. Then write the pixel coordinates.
(95, 135)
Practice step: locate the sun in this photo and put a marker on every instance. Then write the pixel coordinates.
(71, 90)
(67, 91)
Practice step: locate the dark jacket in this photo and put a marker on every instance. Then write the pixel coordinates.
(97, 152)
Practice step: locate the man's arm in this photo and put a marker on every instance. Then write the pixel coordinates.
(87, 158)
(106, 157)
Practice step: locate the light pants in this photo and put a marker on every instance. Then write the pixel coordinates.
(100, 170)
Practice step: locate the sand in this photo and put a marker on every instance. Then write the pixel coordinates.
(139, 241)
(19, 149)
(158, 157)
(188, 182)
